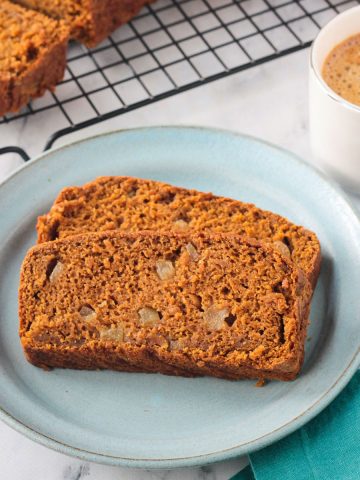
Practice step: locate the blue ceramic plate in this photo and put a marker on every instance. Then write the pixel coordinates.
(157, 421)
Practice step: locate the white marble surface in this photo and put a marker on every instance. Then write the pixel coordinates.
(270, 102)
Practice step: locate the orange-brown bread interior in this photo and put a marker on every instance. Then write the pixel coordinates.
(90, 21)
(32, 55)
(182, 304)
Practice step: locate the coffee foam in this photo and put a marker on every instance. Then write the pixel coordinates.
(341, 69)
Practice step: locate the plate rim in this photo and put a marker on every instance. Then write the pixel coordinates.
(219, 455)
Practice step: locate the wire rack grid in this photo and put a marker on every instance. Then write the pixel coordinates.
(173, 46)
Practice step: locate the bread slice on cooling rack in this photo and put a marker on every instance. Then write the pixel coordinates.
(90, 21)
(32, 55)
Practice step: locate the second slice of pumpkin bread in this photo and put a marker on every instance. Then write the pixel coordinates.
(183, 304)
(133, 204)
(89, 21)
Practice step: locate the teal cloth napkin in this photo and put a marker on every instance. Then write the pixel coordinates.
(327, 448)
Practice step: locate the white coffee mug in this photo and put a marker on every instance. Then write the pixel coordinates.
(334, 122)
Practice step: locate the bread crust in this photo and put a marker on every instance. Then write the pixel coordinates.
(105, 17)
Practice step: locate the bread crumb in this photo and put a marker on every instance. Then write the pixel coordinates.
(260, 383)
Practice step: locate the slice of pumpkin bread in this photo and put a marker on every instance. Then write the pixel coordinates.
(89, 21)
(133, 204)
(184, 304)
(32, 55)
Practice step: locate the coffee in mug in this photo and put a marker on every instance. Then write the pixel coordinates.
(334, 94)
(341, 69)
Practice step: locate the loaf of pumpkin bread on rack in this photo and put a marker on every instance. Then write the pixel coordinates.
(89, 21)
(32, 55)
(182, 304)
(133, 204)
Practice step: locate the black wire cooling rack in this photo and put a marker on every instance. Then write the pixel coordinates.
(170, 47)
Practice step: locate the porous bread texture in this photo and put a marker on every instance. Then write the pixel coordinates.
(181, 304)
(32, 55)
(133, 204)
(90, 21)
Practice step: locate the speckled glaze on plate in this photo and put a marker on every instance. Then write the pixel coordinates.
(149, 421)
